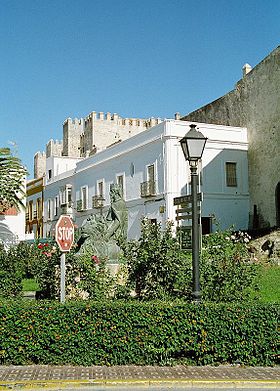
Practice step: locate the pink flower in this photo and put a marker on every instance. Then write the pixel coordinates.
(95, 259)
(47, 254)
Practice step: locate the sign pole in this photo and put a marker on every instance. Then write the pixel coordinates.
(64, 236)
(62, 278)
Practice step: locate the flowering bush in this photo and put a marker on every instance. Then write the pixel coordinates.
(87, 277)
(157, 267)
(227, 272)
(45, 262)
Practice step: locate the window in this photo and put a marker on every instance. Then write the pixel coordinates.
(151, 173)
(100, 189)
(68, 195)
(49, 209)
(49, 174)
(231, 178)
(132, 169)
(84, 197)
(55, 209)
(120, 182)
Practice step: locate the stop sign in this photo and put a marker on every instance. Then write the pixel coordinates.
(64, 233)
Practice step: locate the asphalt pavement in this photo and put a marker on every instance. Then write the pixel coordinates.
(44, 377)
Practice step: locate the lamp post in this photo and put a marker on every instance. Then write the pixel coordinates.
(193, 144)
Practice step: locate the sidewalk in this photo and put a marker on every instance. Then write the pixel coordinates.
(46, 377)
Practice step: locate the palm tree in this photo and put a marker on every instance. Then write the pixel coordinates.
(12, 174)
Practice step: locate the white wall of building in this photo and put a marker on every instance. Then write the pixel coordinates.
(12, 225)
(225, 144)
(56, 165)
(12, 228)
(160, 147)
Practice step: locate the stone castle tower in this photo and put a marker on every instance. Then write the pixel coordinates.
(72, 131)
(86, 136)
(39, 164)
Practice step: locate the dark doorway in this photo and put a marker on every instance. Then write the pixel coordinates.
(206, 223)
(277, 204)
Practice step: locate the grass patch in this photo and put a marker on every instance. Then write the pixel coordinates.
(29, 284)
(269, 281)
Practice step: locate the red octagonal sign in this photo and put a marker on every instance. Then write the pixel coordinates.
(64, 233)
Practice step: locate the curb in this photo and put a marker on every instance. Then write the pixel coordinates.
(145, 383)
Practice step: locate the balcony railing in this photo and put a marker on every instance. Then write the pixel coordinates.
(148, 189)
(35, 214)
(27, 216)
(97, 201)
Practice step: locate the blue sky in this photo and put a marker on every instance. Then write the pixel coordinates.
(138, 58)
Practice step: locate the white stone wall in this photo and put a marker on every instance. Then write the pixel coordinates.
(255, 103)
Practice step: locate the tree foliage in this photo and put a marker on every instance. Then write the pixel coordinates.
(12, 174)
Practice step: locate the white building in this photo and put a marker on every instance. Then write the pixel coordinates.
(12, 224)
(152, 170)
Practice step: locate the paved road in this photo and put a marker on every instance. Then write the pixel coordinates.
(136, 378)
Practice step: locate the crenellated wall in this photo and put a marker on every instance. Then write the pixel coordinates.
(86, 136)
(103, 129)
(54, 148)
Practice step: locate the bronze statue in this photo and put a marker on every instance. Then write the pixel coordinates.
(100, 235)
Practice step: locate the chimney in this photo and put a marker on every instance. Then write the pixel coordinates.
(246, 69)
(177, 115)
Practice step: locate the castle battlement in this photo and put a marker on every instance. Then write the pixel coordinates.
(54, 148)
(116, 118)
(85, 136)
(54, 142)
(73, 121)
(40, 154)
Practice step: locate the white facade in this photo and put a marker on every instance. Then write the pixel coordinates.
(12, 225)
(12, 228)
(155, 157)
(56, 165)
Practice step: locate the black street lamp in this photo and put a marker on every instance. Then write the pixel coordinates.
(193, 144)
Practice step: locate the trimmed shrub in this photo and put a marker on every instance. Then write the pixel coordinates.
(140, 333)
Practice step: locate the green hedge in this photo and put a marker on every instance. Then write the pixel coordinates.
(118, 333)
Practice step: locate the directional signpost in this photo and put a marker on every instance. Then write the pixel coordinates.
(64, 236)
(184, 212)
